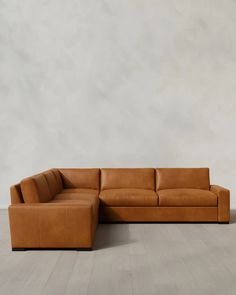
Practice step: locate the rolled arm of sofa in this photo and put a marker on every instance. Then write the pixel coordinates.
(45, 225)
(223, 195)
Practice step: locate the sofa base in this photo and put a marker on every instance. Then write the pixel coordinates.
(158, 214)
(160, 222)
(52, 226)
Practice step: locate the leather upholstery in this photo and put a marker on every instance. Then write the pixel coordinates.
(167, 178)
(51, 225)
(52, 182)
(128, 197)
(58, 178)
(16, 194)
(90, 198)
(35, 189)
(81, 198)
(223, 195)
(81, 191)
(143, 178)
(68, 217)
(59, 208)
(158, 214)
(80, 178)
(186, 197)
(84, 197)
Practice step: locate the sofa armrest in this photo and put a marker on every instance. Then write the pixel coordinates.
(223, 195)
(48, 225)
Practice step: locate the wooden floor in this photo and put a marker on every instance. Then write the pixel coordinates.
(139, 259)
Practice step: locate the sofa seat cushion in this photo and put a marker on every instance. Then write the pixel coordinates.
(128, 197)
(74, 197)
(71, 201)
(186, 198)
(78, 199)
(81, 191)
(82, 195)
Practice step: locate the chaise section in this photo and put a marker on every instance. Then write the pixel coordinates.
(185, 197)
(128, 197)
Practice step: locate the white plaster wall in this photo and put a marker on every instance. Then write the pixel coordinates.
(128, 83)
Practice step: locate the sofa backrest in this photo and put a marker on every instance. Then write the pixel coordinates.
(55, 186)
(112, 178)
(58, 178)
(35, 189)
(16, 194)
(80, 178)
(197, 178)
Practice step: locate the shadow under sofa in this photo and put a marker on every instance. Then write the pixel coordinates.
(61, 208)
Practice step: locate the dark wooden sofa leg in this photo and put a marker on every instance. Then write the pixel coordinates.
(84, 249)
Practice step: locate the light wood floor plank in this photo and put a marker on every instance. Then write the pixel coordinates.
(59, 278)
(39, 275)
(80, 276)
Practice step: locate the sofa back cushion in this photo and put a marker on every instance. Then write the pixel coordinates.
(52, 181)
(167, 178)
(16, 194)
(112, 178)
(80, 178)
(58, 178)
(35, 189)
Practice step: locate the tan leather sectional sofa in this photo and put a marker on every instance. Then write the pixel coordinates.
(61, 208)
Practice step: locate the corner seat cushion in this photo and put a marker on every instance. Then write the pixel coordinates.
(186, 198)
(88, 195)
(80, 198)
(128, 197)
(74, 197)
(78, 194)
(80, 191)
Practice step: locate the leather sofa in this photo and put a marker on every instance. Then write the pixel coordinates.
(61, 208)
